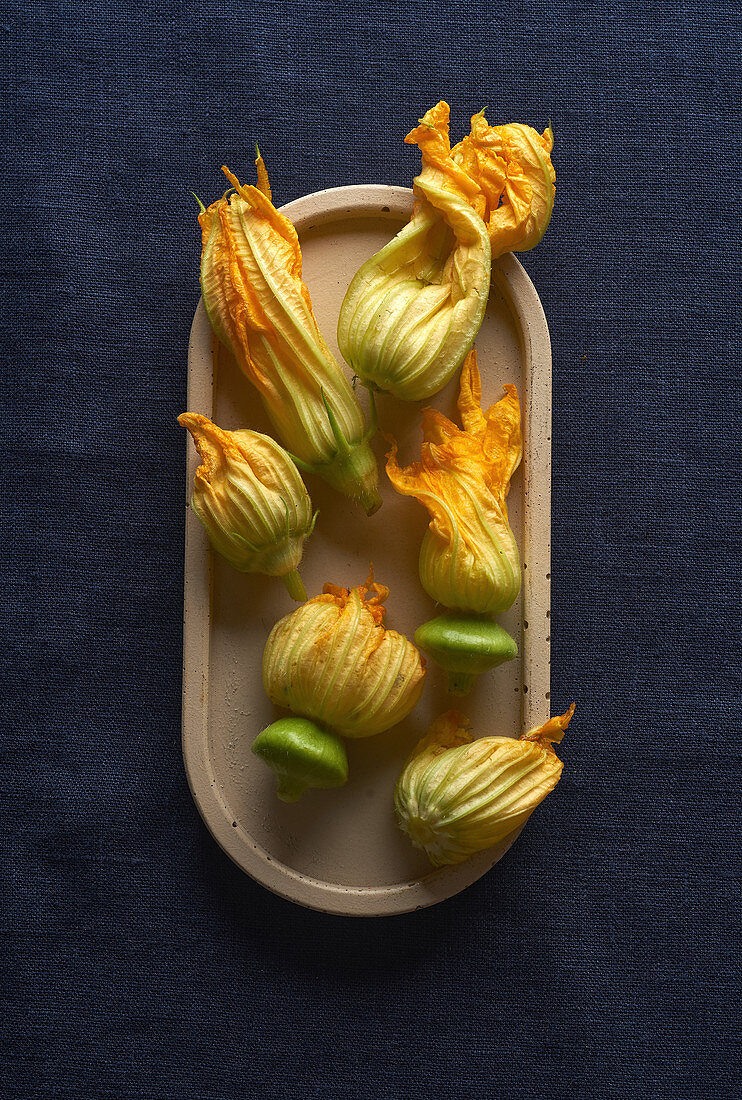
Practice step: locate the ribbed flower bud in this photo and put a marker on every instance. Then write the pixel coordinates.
(251, 500)
(456, 796)
(332, 660)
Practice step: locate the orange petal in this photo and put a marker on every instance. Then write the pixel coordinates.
(503, 442)
(470, 395)
(551, 731)
(432, 139)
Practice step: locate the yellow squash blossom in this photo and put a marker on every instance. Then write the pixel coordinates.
(413, 310)
(251, 501)
(456, 796)
(333, 661)
(515, 177)
(469, 557)
(261, 310)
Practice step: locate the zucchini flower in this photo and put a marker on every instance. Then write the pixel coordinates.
(469, 557)
(332, 660)
(413, 310)
(456, 796)
(261, 311)
(251, 500)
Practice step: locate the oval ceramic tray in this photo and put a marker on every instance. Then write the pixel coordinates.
(341, 851)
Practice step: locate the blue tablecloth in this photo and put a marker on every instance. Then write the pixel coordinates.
(599, 959)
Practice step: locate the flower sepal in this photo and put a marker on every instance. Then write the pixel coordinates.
(352, 470)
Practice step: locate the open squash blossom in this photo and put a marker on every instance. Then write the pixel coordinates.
(332, 660)
(456, 796)
(413, 310)
(261, 311)
(251, 501)
(469, 558)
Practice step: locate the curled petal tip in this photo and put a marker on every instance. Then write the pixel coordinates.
(552, 730)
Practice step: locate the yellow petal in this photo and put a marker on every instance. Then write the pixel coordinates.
(448, 731)
(432, 139)
(264, 183)
(470, 396)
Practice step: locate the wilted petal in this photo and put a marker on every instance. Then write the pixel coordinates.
(413, 310)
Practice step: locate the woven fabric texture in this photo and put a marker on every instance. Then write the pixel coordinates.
(599, 960)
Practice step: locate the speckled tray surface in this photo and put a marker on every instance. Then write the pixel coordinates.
(341, 851)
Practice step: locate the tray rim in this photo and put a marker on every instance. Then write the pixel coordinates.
(511, 279)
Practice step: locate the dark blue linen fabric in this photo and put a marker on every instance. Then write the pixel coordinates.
(599, 960)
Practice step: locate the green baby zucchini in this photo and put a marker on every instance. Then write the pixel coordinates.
(465, 646)
(302, 755)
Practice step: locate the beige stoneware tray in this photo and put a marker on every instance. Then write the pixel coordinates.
(341, 851)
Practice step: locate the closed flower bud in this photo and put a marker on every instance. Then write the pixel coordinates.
(469, 558)
(251, 501)
(333, 661)
(456, 796)
(260, 309)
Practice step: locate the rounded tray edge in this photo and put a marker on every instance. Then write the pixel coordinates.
(335, 899)
(513, 281)
(371, 200)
